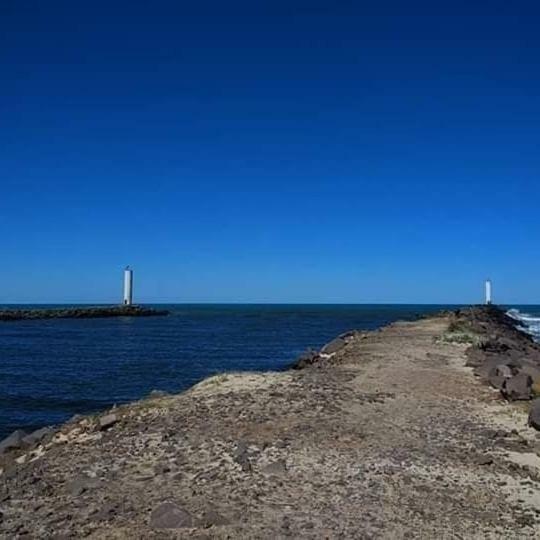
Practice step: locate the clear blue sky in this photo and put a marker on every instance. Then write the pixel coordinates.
(270, 151)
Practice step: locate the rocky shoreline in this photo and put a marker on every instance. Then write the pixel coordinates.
(384, 434)
(501, 354)
(79, 313)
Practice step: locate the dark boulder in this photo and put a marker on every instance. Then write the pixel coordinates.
(306, 359)
(491, 363)
(534, 414)
(14, 441)
(518, 387)
(532, 370)
(515, 365)
(498, 375)
(40, 435)
(496, 380)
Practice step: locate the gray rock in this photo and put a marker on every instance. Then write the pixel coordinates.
(38, 436)
(169, 515)
(107, 421)
(518, 387)
(534, 414)
(334, 346)
(13, 441)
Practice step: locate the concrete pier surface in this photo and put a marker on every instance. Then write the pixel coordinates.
(90, 312)
(384, 434)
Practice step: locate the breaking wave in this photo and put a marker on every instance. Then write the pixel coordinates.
(528, 323)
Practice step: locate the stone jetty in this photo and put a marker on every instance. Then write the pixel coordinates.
(417, 430)
(79, 313)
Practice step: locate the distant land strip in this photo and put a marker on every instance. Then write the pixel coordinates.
(80, 313)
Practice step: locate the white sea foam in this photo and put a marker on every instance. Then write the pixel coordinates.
(528, 322)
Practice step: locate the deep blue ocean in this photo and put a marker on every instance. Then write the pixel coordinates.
(53, 369)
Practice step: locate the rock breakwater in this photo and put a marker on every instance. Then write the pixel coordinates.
(383, 434)
(79, 313)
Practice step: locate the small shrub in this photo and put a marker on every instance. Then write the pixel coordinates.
(460, 332)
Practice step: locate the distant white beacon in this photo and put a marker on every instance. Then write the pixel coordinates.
(128, 286)
(488, 292)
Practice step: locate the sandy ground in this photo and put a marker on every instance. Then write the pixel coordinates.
(391, 438)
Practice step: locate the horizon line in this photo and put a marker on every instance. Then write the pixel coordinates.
(253, 303)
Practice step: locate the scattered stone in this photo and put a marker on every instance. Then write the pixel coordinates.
(107, 421)
(15, 441)
(169, 515)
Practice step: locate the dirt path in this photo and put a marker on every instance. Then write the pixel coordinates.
(390, 438)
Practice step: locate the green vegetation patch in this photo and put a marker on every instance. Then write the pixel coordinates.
(460, 332)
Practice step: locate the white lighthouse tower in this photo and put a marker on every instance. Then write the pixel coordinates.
(488, 292)
(128, 286)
